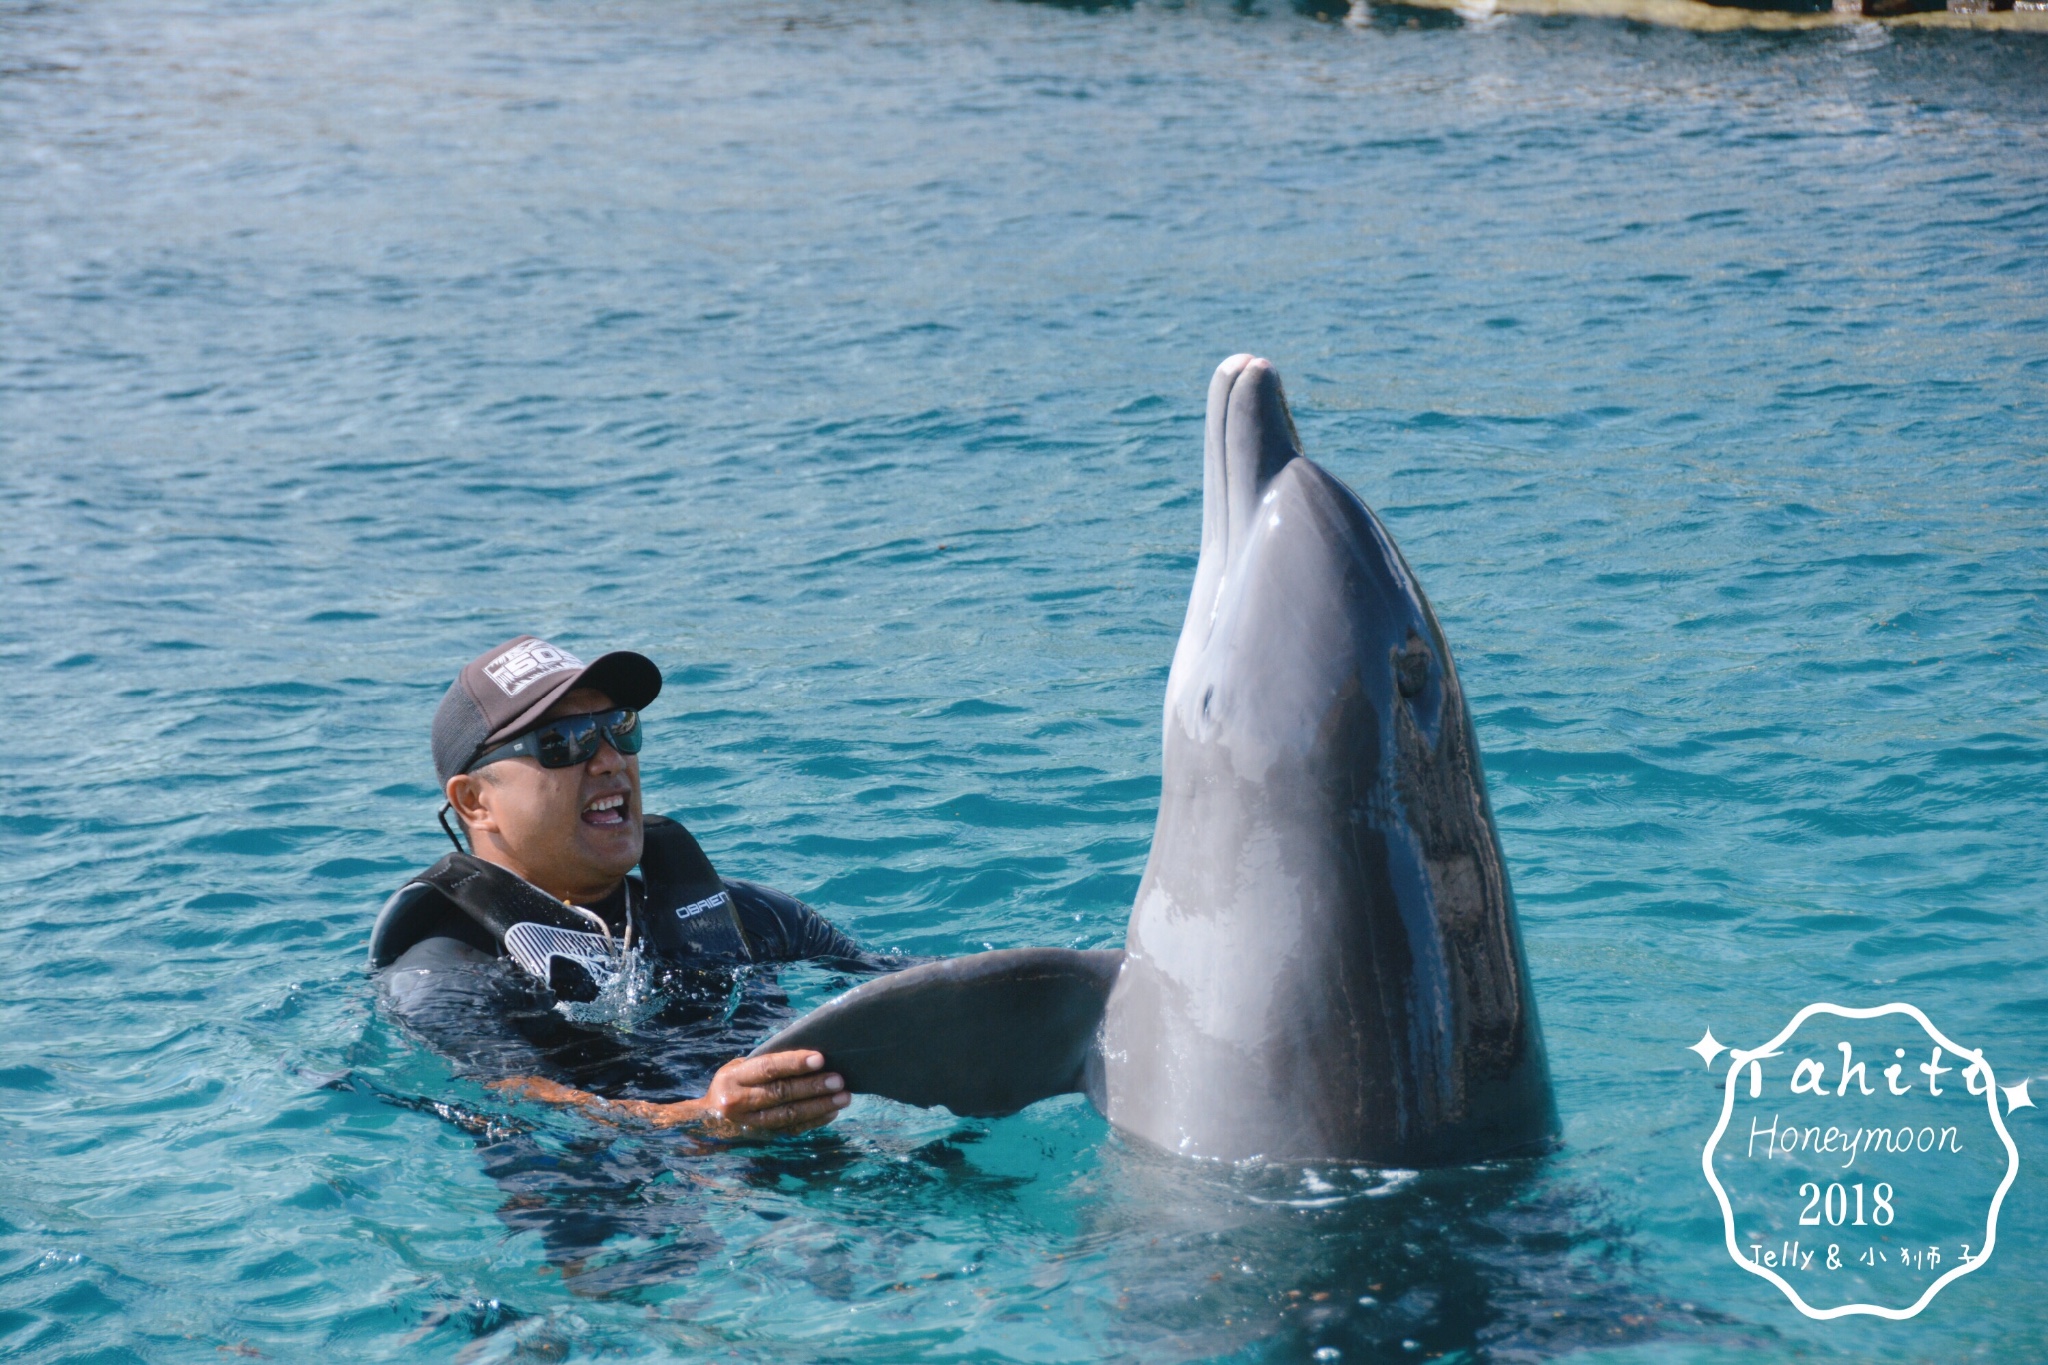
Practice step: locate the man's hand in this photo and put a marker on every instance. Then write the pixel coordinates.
(783, 1092)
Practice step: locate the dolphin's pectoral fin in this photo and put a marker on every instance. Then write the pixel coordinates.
(983, 1035)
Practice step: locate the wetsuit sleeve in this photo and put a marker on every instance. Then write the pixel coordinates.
(781, 928)
(494, 1022)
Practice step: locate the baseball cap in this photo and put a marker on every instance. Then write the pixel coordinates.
(505, 689)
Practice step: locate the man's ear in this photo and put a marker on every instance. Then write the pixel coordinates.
(469, 794)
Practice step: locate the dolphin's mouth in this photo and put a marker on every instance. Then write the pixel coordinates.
(1251, 438)
(1248, 437)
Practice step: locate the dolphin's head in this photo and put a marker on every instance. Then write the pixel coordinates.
(1300, 593)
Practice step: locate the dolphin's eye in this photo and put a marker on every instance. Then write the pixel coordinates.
(1411, 665)
(1208, 695)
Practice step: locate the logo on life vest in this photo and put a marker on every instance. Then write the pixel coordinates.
(711, 902)
(526, 663)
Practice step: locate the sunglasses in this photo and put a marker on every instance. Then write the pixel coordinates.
(570, 740)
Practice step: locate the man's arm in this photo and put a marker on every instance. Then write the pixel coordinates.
(779, 1094)
(470, 1008)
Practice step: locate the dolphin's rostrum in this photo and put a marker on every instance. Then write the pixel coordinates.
(1323, 962)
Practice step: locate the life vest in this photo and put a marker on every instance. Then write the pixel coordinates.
(682, 912)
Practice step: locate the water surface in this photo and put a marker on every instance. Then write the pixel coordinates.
(848, 359)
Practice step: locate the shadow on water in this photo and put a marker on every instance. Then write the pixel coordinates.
(581, 1192)
(1492, 1262)
(591, 1193)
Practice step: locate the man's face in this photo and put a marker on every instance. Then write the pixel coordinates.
(573, 832)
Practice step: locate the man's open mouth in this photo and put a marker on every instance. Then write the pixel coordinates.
(606, 810)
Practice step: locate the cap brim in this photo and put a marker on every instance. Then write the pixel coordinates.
(630, 680)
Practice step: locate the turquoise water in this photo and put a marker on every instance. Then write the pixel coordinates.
(849, 359)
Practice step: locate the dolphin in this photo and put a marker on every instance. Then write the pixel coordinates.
(1323, 961)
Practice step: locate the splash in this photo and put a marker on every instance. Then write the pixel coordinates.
(626, 999)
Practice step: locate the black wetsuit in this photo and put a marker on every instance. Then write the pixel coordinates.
(440, 948)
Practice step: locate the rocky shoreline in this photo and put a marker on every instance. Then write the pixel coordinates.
(2010, 16)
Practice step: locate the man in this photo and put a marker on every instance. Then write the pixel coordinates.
(538, 758)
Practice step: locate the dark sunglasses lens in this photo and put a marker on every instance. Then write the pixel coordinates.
(568, 741)
(625, 732)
